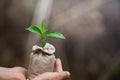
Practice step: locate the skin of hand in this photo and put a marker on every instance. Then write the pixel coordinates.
(18, 73)
(15, 73)
(58, 73)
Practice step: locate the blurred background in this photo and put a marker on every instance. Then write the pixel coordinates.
(92, 28)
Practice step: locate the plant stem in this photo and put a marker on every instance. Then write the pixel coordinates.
(42, 40)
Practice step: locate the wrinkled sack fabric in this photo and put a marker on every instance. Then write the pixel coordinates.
(41, 60)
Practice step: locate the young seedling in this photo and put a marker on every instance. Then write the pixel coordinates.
(42, 58)
(43, 33)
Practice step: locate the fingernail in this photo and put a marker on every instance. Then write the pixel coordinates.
(57, 58)
(67, 73)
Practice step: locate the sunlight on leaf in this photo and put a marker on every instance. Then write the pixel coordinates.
(55, 34)
(34, 29)
(43, 26)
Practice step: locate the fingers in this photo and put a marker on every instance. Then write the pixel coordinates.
(16, 73)
(58, 65)
(19, 73)
(20, 69)
(62, 75)
(53, 76)
(58, 73)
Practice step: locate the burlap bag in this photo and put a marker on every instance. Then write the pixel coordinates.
(41, 60)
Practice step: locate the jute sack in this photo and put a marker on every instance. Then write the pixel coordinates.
(41, 60)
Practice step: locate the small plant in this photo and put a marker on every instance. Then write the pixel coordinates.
(43, 33)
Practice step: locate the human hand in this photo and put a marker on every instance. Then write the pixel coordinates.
(18, 73)
(15, 73)
(58, 73)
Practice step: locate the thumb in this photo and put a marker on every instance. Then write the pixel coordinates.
(63, 75)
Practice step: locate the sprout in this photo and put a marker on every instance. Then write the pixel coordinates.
(43, 33)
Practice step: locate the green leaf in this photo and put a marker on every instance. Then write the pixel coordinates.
(43, 26)
(55, 34)
(34, 29)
